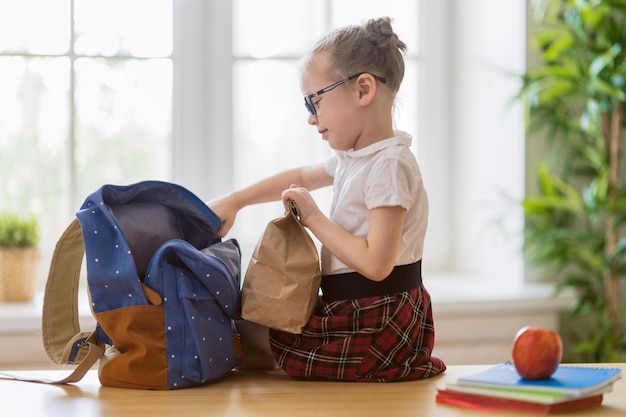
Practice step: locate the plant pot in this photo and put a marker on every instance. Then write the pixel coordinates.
(19, 268)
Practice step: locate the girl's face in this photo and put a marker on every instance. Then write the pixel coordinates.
(336, 119)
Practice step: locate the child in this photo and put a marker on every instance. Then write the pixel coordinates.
(374, 321)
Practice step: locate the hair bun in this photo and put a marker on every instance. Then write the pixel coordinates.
(380, 33)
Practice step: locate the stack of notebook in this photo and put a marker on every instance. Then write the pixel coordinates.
(500, 387)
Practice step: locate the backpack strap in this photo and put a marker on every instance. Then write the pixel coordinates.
(92, 352)
(62, 338)
(60, 310)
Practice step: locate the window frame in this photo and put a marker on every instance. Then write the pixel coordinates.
(202, 96)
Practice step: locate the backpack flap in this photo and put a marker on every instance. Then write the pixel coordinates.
(201, 300)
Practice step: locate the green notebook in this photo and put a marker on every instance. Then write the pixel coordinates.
(538, 397)
(573, 381)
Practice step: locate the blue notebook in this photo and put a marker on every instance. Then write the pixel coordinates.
(573, 381)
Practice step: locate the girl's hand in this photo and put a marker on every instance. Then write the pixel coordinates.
(307, 208)
(226, 210)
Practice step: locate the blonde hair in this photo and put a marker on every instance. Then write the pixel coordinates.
(372, 47)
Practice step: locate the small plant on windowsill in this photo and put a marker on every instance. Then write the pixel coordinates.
(576, 222)
(19, 257)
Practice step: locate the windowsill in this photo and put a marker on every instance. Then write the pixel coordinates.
(454, 295)
(26, 317)
(450, 296)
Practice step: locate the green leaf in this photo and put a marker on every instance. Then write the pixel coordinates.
(601, 87)
(602, 61)
(16, 231)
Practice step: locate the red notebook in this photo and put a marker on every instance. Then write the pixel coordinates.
(483, 402)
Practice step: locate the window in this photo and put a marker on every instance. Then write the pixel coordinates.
(86, 100)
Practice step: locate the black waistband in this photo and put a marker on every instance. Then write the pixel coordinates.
(354, 285)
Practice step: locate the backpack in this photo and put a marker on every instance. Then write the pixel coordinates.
(164, 290)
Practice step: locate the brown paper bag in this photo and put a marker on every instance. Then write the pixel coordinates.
(281, 285)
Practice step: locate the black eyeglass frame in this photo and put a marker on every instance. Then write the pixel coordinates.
(308, 100)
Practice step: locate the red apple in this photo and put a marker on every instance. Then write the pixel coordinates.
(536, 352)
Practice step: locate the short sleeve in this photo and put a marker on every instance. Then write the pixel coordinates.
(391, 182)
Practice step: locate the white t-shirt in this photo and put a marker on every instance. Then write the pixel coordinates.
(381, 175)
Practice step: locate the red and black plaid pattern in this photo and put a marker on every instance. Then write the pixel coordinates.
(384, 339)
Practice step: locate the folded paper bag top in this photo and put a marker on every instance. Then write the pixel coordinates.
(282, 282)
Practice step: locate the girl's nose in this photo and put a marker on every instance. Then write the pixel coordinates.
(312, 120)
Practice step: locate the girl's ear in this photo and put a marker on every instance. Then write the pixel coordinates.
(366, 89)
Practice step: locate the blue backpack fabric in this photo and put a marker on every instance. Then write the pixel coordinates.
(164, 290)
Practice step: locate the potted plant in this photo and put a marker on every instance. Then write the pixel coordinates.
(19, 257)
(575, 222)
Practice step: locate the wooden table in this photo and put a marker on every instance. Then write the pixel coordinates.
(254, 393)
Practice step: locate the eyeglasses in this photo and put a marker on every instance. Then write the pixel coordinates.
(308, 100)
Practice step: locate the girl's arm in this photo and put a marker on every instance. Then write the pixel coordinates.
(373, 256)
(269, 189)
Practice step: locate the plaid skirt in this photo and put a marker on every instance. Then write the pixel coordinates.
(383, 339)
